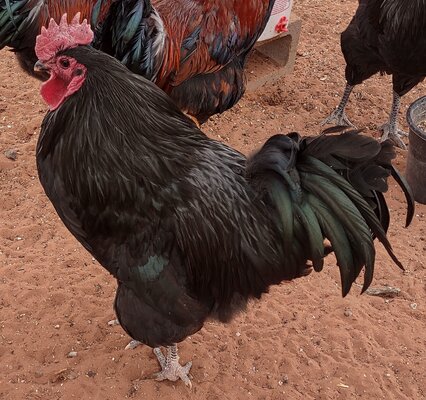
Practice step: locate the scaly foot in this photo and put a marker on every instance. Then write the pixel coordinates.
(170, 367)
(394, 134)
(133, 343)
(113, 322)
(338, 117)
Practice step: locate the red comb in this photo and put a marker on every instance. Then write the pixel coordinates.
(62, 36)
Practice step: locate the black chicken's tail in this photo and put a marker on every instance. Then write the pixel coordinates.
(330, 187)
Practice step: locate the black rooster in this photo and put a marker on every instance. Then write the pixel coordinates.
(188, 226)
(387, 36)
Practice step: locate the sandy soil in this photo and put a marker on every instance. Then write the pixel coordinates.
(302, 341)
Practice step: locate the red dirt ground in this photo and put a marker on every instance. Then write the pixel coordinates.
(301, 341)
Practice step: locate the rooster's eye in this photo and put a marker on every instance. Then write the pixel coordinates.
(64, 63)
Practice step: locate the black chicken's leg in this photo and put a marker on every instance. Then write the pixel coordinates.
(338, 116)
(133, 343)
(390, 129)
(170, 367)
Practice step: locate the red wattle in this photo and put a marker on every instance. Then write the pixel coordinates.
(53, 91)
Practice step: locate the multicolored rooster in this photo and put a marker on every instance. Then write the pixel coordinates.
(195, 50)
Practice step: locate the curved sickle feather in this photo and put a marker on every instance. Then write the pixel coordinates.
(403, 184)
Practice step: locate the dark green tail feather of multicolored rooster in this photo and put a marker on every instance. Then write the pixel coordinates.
(10, 20)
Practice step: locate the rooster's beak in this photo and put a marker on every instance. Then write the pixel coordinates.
(40, 67)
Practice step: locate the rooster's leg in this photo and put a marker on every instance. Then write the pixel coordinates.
(170, 367)
(133, 343)
(338, 116)
(390, 129)
(195, 120)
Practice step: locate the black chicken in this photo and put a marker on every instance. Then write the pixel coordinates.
(188, 226)
(387, 36)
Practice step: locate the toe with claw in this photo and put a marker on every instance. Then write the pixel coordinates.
(133, 343)
(170, 367)
(338, 117)
(394, 134)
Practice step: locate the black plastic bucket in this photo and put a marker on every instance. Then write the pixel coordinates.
(416, 162)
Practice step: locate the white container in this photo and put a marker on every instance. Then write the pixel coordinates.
(281, 9)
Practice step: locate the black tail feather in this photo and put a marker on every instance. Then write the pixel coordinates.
(330, 187)
(403, 184)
